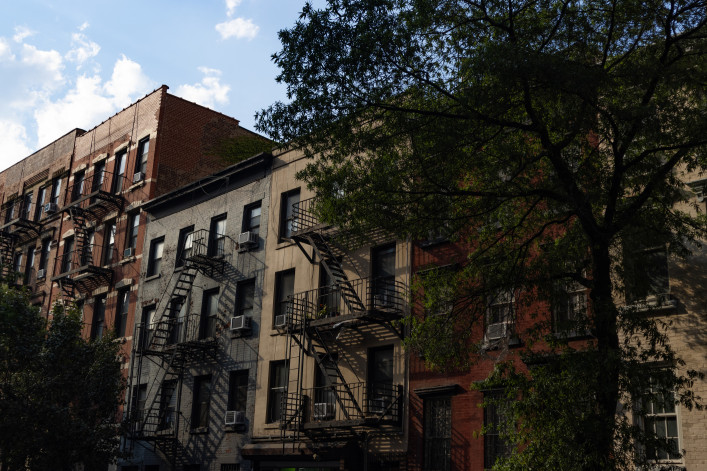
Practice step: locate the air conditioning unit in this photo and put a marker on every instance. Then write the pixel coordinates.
(234, 417)
(377, 405)
(247, 240)
(323, 410)
(496, 331)
(382, 300)
(129, 252)
(138, 177)
(41, 273)
(281, 320)
(240, 323)
(51, 208)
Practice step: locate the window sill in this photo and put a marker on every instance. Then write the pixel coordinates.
(572, 334)
(153, 277)
(129, 259)
(282, 243)
(137, 185)
(199, 431)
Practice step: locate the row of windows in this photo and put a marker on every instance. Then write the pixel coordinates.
(22, 207)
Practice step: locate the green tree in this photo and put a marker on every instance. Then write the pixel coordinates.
(549, 138)
(59, 393)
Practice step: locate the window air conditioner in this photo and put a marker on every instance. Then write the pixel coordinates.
(235, 417)
(496, 331)
(247, 240)
(129, 252)
(240, 323)
(138, 177)
(281, 320)
(377, 405)
(323, 410)
(51, 208)
(41, 273)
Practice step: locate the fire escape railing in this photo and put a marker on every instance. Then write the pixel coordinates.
(98, 193)
(21, 218)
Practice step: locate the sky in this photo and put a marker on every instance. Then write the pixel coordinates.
(68, 64)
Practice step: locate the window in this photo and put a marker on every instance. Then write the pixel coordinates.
(245, 298)
(10, 209)
(121, 313)
(659, 417)
(99, 176)
(251, 218)
(99, 317)
(438, 433)
(44, 255)
(284, 289)
(87, 249)
(499, 315)
(209, 314)
(177, 316)
(238, 390)
(140, 401)
(155, 262)
(17, 262)
(185, 245)
(380, 378)
(119, 173)
(27, 206)
(146, 325)
(29, 268)
(143, 149)
(56, 191)
(77, 188)
(133, 227)
(217, 239)
(201, 401)
(41, 196)
(570, 310)
(329, 294)
(288, 219)
(67, 254)
(646, 269)
(277, 389)
(383, 276)
(495, 446)
(324, 396)
(109, 243)
(168, 404)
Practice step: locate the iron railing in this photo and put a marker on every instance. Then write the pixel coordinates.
(346, 402)
(19, 209)
(188, 328)
(303, 215)
(374, 294)
(90, 256)
(94, 183)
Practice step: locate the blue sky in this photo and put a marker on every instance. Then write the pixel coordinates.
(67, 63)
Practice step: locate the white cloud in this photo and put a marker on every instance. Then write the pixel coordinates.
(207, 93)
(231, 6)
(90, 101)
(14, 143)
(239, 28)
(6, 51)
(83, 26)
(49, 63)
(22, 32)
(82, 49)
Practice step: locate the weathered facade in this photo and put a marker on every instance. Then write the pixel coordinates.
(193, 370)
(333, 372)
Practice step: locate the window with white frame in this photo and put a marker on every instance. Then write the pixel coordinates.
(659, 417)
(570, 310)
(499, 315)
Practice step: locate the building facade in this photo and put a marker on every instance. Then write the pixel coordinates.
(194, 367)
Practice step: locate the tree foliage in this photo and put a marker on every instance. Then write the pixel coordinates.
(545, 137)
(59, 393)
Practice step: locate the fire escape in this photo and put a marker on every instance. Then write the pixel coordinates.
(83, 265)
(314, 319)
(20, 224)
(166, 345)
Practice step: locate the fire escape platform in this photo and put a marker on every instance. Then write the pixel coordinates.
(22, 229)
(97, 203)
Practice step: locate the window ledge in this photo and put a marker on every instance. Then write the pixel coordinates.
(153, 277)
(572, 334)
(282, 243)
(199, 430)
(129, 259)
(137, 185)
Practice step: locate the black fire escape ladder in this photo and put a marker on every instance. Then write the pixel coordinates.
(334, 379)
(293, 403)
(7, 247)
(82, 244)
(155, 417)
(325, 253)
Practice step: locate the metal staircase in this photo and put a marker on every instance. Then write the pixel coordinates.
(170, 345)
(7, 248)
(312, 327)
